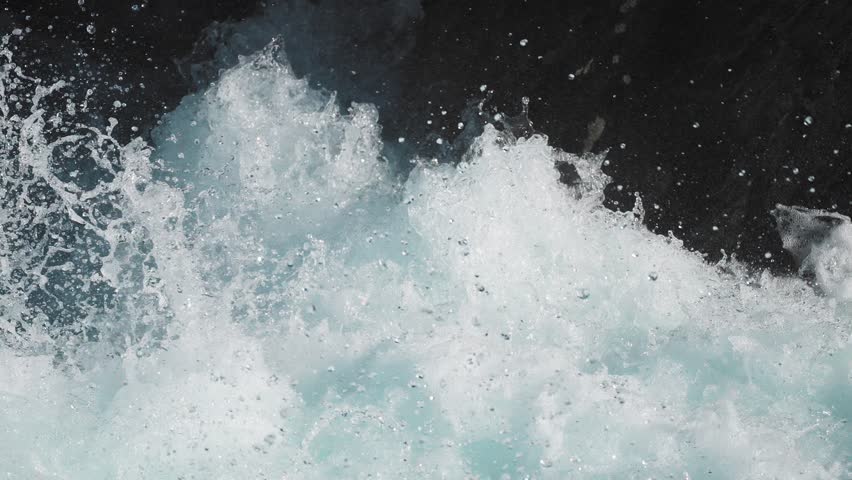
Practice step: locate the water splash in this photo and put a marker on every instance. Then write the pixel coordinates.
(821, 243)
(283, 304)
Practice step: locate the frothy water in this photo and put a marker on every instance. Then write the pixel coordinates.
(263, 295)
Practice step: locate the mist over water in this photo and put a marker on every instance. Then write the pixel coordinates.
(265, 292)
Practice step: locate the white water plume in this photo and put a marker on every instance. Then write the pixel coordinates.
(281, 303)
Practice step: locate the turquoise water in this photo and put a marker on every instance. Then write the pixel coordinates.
(285, 302)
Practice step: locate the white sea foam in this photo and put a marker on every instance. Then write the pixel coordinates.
(287, 307)
(821, 243)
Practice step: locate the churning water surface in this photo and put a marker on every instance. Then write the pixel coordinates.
(262, 293)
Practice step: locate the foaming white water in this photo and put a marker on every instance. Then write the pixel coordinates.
(286, 307)
(821, 243)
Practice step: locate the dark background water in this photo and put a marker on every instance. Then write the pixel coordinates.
(723, 108)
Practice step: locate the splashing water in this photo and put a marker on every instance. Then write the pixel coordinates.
(821, 244)
(263, 295)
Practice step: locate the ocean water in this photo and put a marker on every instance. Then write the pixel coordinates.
(264, 293)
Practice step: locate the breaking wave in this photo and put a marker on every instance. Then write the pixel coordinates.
(263, 294)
